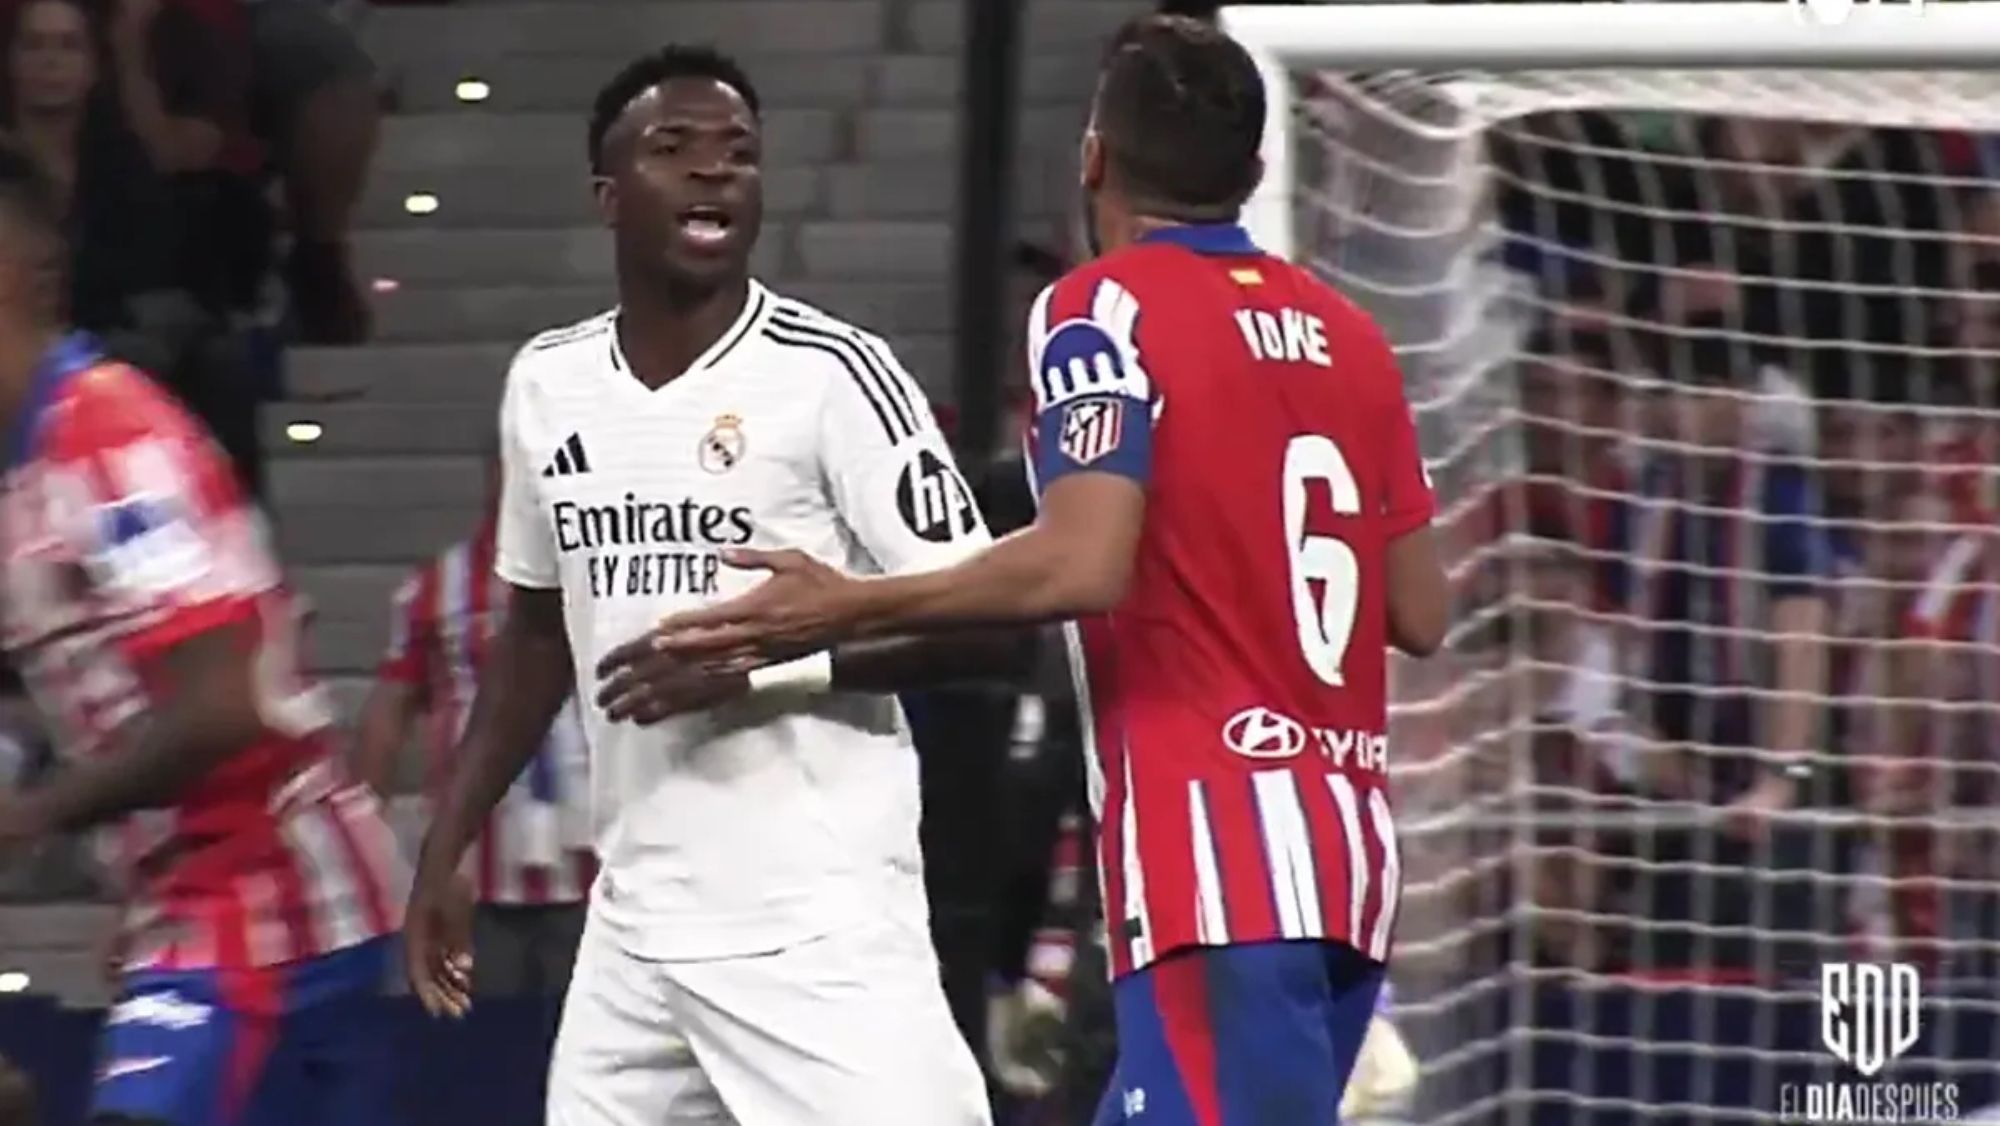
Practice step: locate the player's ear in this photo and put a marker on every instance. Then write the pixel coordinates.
(605, 190)
(1090, 161)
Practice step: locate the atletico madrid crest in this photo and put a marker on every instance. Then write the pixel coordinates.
(1091, 429)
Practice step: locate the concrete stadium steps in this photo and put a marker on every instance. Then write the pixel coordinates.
(1077, 27)
(420, 315)
(544, 142)
(400, 37)
(401, 373)
(455, 482)
(60, 947)
(471, 373)
(857, 250)
(351, 612)
(366, 532)
(898, 308)
(372, 429)
(476, 138)
(537, 197)
(568, 84)
(513, 199)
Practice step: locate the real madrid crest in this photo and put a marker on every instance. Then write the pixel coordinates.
(722, 447)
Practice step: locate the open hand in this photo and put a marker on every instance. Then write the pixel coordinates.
(640, 683)
(437, 944)
(805, 605)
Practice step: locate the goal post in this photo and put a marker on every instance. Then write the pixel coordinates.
(1284, 39)
(1698, 306)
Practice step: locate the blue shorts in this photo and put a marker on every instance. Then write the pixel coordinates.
(299, 1044)
(1262, 1034)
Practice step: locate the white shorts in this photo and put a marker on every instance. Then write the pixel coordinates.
(847, 1030)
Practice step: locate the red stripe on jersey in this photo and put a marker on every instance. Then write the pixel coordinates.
(1246, 874)
(255, 1000)
(354, 818)
(458, 608)
(1336, 866)
(1180, 994)
(293, 913)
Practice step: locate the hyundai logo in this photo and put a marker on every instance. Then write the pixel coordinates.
(1263, 733)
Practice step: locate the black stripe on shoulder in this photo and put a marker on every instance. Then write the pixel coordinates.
(779, 333)
(880, 372)
(750, 319)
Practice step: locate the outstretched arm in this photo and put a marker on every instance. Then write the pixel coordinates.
(1075, 559)
(206, 712)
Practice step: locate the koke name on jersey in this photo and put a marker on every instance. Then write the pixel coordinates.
(648, 549)
(1287, 335)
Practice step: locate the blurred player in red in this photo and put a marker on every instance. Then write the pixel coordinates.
(146, 614)
(1234, 509)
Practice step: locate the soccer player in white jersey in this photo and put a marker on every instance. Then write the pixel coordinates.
(756, 949)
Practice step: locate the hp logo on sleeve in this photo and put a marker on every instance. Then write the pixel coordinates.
(934, 500)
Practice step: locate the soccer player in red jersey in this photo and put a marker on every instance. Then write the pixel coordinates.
(1234, 509)
(141, 602)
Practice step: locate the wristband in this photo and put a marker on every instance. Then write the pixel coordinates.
(808, 674)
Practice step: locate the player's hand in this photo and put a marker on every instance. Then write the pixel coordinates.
(437, 944)
(640, 683)
(1024, 1032)
(1750, 816)
(804, 606)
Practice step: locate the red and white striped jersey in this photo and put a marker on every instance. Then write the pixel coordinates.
(127, 534)
(1234, 704)
(1960, 599)
(1965, 476)
(446, 614)
(1960, 603)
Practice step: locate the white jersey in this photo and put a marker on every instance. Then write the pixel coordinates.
(768, 821)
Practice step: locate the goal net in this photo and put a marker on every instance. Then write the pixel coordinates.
(1702, 354)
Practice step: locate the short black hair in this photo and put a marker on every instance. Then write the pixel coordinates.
(1180, 112)
(649, 70)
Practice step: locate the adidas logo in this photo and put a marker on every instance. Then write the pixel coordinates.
(569, 459)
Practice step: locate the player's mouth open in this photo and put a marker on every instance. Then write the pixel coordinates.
(705, 226)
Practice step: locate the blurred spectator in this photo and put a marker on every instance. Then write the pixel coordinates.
(1721, 564)
(1933, 745)
(317, 108)
(532, 867)
(129, 116)
(60, 107)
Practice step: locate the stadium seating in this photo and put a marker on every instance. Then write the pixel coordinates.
(863, 109)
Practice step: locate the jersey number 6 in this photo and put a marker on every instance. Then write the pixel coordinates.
(1325, 620)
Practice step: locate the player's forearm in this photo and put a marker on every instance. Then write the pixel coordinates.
(382, 733)
(1037, 574)
(885, 665)
(527, 677)
(1794, 711)
(206, 713)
